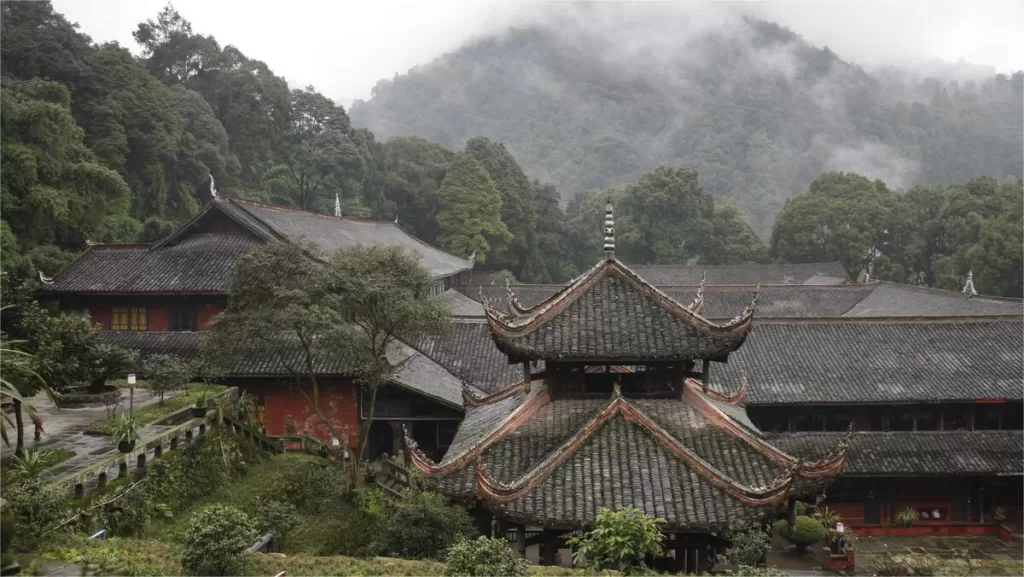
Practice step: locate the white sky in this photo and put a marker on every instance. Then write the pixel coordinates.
(343, 47)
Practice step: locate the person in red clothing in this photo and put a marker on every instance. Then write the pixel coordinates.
(38, 422)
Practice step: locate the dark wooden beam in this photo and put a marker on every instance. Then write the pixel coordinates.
(526, 375)
(705, 377)
(549, 547)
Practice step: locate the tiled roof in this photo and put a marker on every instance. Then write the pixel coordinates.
(917, 453)
(610, 314)
(867, 361)
(744, 274)
(331, 233)
(797, 301)
(459, 305)
(200, 263)
(558, 461)
(470, 352)
(891, 299)
(414, 371)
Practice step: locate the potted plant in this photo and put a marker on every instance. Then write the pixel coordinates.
(204, 400)
(126, 432)
(907, 516)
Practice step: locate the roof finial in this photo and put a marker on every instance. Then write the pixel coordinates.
(45, 279)
(396, 217)
(337, 205)
(213, 189)
(609, 231)
(968, 289)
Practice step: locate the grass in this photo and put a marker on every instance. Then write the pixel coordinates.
(153, 413)
(116, 556)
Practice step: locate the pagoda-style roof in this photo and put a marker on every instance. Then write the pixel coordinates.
(611, 314)
(694, 460)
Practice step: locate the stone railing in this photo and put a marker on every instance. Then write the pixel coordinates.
(97, 474)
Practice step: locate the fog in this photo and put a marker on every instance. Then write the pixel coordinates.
(344, 48)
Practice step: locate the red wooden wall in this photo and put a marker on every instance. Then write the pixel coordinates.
(338, 402)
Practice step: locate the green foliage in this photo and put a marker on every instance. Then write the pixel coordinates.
(30, 464)
(665, 218)
(184, 477)
(907, 516)
(215, 540)
(484, 556)
(828, 517)
(125, 430)
(470, 216)
(748, 544)
(807, 531)
(424, 525)
(37, 509)
(165, 373)
(110, 362)
(619, 541)
(755, 571)
(276, 517)
(129, 513)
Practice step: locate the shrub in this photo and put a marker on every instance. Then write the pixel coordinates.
(128, 516)
(277, 518)
(36, 509)
(215, 539)
(619, 541)
(425, 525)
(484, 557)
(749, 571)
(806, 532)
(907, 516)
(749, 543)
(165, 373)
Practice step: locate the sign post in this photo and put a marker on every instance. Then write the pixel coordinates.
(131, 396)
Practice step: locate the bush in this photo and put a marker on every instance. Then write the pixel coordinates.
(807, 531)
(484, 557)
(165, 373)
(277, 518)
(215, 539)
(619, 541)
(749, 571)
(749, 543)
(36, 509)
(425, 525)
(129, 515)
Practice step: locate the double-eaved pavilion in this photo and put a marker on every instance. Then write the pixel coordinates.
(620, 415)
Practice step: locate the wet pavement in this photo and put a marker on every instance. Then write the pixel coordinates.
(988, 555)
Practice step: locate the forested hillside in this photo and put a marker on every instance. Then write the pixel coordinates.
(589, 99)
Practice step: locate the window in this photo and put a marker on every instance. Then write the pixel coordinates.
(128, 319)
(838, 422)
(927, 421)
(902, 420)
(183, 318)
(987, 418)
(1013, 417)
(956, 418)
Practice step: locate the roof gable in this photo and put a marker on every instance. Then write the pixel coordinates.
(610, 313)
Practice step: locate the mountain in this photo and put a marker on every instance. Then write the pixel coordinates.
(587, 98)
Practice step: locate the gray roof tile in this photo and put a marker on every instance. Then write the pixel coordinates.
(890, 299)
(916, 453)
(744, 274)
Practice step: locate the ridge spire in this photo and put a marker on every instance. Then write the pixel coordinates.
(337, 205)
(609, 231)
(968, 289)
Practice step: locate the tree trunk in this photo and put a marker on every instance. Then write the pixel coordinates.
(20, 425)
(366, 433)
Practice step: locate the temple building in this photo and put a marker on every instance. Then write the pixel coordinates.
(610, 392)
(614, 409)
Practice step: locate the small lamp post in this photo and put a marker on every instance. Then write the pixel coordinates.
(840, 528)
(131, 396)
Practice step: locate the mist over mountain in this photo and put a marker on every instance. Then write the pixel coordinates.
(595, 95)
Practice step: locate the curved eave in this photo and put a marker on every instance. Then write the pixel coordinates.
(490, 489)
(516, 419)
(831, 466)
(509, 326)
(736, 398)
(471, 399)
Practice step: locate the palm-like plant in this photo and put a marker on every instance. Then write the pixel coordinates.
(828, 517)
(30, 464)
(247, 407)
(17, 365)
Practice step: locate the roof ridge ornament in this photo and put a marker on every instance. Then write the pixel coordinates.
(968, 289)
(698, 301)
(751, 308)
(609, 231)
(213, 189)
(45, 279)
(512, 303)
(337, 205)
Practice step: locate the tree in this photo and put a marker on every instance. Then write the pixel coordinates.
(619, 541)
(665, 218)
(424, 525)
(18, 380)
(843, 217)
(732, 239)
(165, 373)
(416, 169)
(383, 292)
(215, 539)
(470, 217)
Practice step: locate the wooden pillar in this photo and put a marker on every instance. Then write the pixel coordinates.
(502, 528)
(526, 376)
(679, 563)
(521, 540)
(705, 376)
(791, 512)
(549, 547)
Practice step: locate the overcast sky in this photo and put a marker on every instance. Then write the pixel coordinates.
(344, 47)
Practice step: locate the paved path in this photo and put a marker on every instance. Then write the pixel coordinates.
(65, 429)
